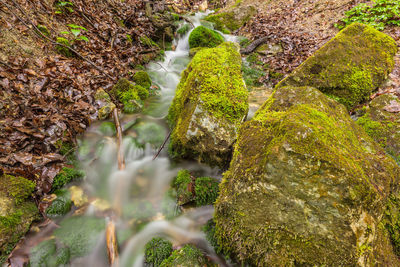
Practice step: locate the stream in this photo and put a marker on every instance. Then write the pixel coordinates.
(138, 199)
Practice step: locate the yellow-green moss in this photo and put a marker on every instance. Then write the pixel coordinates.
(186, 256)
(184, 185)
(65, 176)
(204, 37)
(350, 66)
(206, 190)
(157, 250)
(300, 163)
(231, 20)
(222, 92)
(128, 94)
(142, 78)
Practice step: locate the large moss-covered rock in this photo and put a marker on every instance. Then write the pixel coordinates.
(17, 211)
(204, 37)
(232, 18)
(350, 66)
(209, 105)
(306, 186)
(382, 122)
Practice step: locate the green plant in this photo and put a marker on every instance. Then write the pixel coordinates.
(381, 14)
(206, 191)
(76, 32)
(62, 6)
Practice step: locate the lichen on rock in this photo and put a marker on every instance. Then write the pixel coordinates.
(204, 37)
(350, 66)
(320, 185)
(210, 103)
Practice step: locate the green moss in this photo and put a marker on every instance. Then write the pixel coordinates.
(62, 49)
(43, 29)
(203, 37)
(186, 256)
(374, 129)
(183, 185)
(232, 20)
(391, 221)
(252, 75)
(184, 29)
(350, 66)
(18, 188)
(126, 92)
(148, 42)
(222, 91)
(61, 205)
(80, 240)
(142, 78)
(206, 191)
(157, 250)
(65, 176)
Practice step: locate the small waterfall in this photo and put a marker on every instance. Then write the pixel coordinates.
(137, 198)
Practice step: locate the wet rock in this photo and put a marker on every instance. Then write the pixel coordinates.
(204, 37)
(187, 256)
(382, 123)
(350, 66)
(306, 186)
(17, 211)
(209, 105)
(149, 133)
(47, 254)
(233, 18)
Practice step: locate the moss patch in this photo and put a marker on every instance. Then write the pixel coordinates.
(129, 95)
(233, 19)
(186, 256)
(143, 79)
(204, 37)
(66, 176)
(157, 250)
(61, 205)
(350, 66)
(206, 191)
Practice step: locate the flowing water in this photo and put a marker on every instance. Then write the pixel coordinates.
(137, 198)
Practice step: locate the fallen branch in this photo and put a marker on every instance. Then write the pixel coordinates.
(162, 146)
(253, 46)
(40, 34)
(121, 161)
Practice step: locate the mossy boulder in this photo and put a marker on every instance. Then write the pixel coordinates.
(149, 133)
(47, 253)
(188, 256)
(205, 190)
(157, 250)
(130, 95)
(381, 120)
(204, 37)
(142, 78)
(17, 211)
(350, 66)
(233, 18)
(211, 102)
(184, 186)
(306, 186)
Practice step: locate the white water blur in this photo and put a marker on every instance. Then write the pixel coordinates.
(150, 178)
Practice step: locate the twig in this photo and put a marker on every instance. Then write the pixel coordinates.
(5, 64)
(121, 161)
(112, 246)
(162, 146)
(161, 66)
(40, 34)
